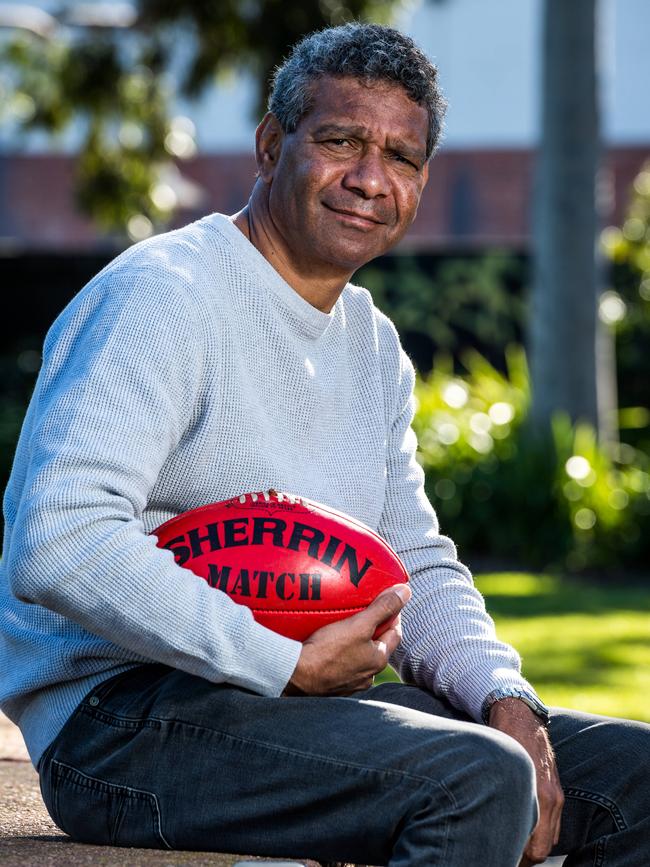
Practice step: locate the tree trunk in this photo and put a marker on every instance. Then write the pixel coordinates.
(564, 319)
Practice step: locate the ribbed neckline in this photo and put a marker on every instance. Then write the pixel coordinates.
(313, 322)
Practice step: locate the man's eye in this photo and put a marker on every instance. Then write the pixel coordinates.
(400, 158)
(339, 142)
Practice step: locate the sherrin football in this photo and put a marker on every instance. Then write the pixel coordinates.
(297, 564)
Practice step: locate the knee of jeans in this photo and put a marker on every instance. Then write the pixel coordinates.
(514, 777)
(507, 773)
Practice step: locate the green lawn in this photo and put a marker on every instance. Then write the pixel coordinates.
(583, 646)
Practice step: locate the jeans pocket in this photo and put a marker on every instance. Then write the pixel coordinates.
(95, 811)
(104, 688)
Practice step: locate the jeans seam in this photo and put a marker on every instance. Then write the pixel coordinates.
(599, 856)
(156, 722)
(120, 721)
(150, 796)
(615, 813)
(118, 821)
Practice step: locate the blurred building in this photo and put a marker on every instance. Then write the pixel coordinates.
(481, 181)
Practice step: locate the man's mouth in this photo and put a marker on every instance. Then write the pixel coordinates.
(355, 217)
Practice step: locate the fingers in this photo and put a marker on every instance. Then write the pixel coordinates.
(557, 815)
(544, 837)
(388, 641)
(538, 846)
(356, 686)
(385, 607)
(547, 832)
(381, 622)
(343, 657)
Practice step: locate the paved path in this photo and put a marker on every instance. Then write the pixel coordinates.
(29, 838)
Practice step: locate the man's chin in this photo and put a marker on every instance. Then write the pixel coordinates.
(350, 257)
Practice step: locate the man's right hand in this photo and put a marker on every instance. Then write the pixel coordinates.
(343, 657)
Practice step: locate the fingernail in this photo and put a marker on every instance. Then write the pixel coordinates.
(403, 591)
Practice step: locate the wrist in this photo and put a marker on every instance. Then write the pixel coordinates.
(525, 696)
(300, 679)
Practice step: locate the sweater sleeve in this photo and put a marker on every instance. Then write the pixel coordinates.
(117, 390)
(449, 644)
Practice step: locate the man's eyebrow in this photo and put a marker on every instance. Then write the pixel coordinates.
(407, 150)
(343, 131)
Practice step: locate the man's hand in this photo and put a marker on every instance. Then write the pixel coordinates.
(343, 658)
(514, 718)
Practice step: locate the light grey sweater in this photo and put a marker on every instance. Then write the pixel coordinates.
(187, 372)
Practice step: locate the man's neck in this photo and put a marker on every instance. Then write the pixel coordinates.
(315, 284)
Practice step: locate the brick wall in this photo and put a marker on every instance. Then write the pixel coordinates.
(474, 198)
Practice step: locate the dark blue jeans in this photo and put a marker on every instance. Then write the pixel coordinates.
(158, 758)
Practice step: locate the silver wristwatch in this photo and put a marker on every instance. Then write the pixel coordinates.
(529, 698)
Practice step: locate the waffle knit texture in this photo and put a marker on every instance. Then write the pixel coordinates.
(187, 372)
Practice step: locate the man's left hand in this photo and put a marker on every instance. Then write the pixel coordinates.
(514, 718)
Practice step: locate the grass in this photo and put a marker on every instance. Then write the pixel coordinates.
(585, 646)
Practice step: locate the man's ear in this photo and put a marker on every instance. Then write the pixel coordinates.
(268, 145)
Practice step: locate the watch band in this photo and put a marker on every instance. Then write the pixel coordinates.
(527, 696)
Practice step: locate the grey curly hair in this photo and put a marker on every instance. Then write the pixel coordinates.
(371, 52)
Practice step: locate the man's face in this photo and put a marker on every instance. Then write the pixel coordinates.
(348, 181)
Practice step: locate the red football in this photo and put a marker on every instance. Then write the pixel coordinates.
(298, 565)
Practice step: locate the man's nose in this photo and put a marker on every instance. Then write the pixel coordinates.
(368, 176)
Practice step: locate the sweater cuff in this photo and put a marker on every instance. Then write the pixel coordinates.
(268, 661)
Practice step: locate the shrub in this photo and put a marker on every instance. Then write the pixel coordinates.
(628, 249)
(504, 490)
(447, 303)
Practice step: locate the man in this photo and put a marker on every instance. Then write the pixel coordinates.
(230, 356)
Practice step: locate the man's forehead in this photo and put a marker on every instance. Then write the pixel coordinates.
(346, 92)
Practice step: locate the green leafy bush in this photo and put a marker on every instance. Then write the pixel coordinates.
(628, 249)
(448, 303)
(17, 374)
(503, 489)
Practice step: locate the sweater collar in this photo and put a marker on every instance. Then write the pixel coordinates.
(311, 321)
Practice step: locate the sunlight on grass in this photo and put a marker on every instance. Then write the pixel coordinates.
(583, 646)
(516, 584)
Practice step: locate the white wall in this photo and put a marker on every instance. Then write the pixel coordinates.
(487, 52)
(627, 106)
